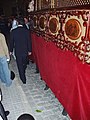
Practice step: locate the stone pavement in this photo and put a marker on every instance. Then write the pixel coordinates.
(30, 98)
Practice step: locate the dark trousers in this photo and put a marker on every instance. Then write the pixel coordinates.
(22, 65)
(2, 112)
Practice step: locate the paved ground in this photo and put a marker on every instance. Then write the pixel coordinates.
(31, 98)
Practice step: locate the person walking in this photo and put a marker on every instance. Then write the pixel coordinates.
(20, 41)
(5, 73)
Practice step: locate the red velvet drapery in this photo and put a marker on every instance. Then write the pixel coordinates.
(67, 77)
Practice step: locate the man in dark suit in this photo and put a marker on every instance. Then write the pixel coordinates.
(20, 40)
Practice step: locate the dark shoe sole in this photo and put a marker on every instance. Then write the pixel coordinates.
(24, 82)
(12, 75)
(7, 113)
(46, 87)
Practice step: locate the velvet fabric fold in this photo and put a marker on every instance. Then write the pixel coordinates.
(68, 78)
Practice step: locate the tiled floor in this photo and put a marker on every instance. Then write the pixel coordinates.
(31, 98)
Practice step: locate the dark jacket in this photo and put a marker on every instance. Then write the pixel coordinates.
(20, 40)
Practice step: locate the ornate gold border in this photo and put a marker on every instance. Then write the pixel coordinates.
(35, 21)
(53, 25)
(42, 22)
(73, 29)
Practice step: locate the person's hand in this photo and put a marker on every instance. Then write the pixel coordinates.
(29, 53)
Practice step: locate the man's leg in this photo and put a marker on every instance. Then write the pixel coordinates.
(21, 64)
(2, 112)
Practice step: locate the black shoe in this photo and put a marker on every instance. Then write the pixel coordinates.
(7, 113)
(12, 75)
(24, 82)
(64, 112)
(0, 94)
(36, 72)
(46, 87)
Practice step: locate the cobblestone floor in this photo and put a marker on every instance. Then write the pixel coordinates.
(31, 98)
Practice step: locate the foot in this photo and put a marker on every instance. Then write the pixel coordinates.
(46, 87)
(36, 72)
(0, 94)
(24, 82)
(7, 113)
(64, 112)
(12, 75)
